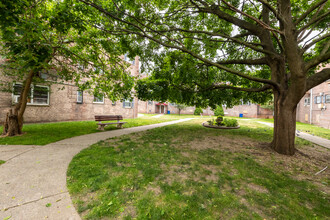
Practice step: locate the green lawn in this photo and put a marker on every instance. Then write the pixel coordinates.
(45, 133)
(308, 128)
(186, 171)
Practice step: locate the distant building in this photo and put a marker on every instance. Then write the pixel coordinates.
(314, 107)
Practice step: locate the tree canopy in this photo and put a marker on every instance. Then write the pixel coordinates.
(208, 52)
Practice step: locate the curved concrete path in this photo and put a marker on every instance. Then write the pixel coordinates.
(314, 139)
(33, 179)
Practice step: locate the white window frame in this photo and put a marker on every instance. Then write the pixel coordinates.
(80, 93)
(129, 103)
(98, 102)
(307, 101)
(15, 97)
(318, 99)
(327, 98)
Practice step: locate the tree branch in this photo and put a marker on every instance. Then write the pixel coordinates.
(317, 60)
(222, 87)
(315, 41)
(261, 23)
(272, 9)
(318, 78)
(261, 61)
(214, 9)
(313, 21)
(310, 10)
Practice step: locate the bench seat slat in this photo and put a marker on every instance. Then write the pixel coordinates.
(101, 118)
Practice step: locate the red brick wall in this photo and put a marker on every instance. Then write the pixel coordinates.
(320, 112)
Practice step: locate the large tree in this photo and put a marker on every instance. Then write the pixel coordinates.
(208, 52)
(38, 37)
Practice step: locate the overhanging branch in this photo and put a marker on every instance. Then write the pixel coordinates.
(318, 78)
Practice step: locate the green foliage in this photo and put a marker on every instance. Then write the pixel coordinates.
(49, 37)
(198, 111)
(230, 122)
(219, 111)
(2, 162)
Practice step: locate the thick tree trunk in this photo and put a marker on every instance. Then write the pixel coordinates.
(284, 126)
(14, 119)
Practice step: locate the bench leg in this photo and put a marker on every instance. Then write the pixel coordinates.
(120, 125)
(100, 127)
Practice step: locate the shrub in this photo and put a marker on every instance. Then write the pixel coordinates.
(219, 111)
(198, 111)
(230, 122)
(219, 120)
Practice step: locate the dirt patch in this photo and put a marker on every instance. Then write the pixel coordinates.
(155, 189)
(257, 188)
(307, 161)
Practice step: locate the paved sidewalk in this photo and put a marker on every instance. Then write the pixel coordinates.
(33, 179)
(315, 139)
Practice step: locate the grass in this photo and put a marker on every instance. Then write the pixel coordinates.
(186, 171)
(45, 133)
(308, 128)
(2, 162)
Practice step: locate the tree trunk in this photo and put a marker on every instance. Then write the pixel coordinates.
(14, 119)
(284, 126)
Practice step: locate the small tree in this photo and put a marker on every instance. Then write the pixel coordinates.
(181, 107)
(198, 111)
(219, 111)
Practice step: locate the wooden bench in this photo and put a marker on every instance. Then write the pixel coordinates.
(101, 118)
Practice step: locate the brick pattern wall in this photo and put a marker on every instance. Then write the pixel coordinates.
(63, 106)
(320, 112)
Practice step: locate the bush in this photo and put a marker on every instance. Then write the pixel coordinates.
(219, 120)
(198, 111)
(219, 111)
(230, 122)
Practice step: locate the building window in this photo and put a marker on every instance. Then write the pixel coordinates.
(38, 95)
(307, 101)
(327, 98)
(128, 103)
(80, 97)
(149, 102)
(99, 99)
(318, 99)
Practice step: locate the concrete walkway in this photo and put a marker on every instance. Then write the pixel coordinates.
(314, 139)
(33, 179)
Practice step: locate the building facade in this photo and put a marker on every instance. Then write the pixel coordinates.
(314, 107)
(64, 102)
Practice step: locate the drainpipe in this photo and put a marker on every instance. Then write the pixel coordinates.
(311, 107)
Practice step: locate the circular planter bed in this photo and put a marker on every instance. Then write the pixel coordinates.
(205, 124)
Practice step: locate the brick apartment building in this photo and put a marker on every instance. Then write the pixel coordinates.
(314, 107)
(64, 102)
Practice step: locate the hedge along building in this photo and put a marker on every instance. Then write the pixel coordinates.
(65, 102)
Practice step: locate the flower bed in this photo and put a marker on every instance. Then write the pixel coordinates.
(205, 124)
